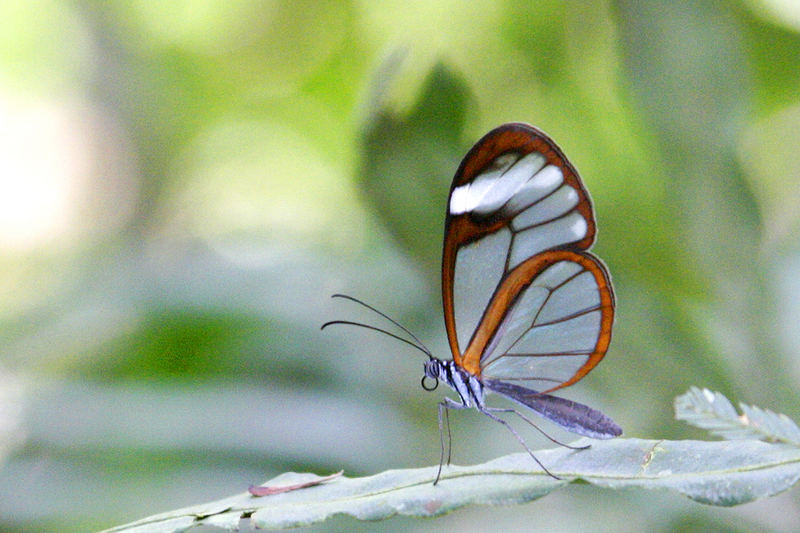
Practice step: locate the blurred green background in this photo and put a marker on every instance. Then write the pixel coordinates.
(184, 185)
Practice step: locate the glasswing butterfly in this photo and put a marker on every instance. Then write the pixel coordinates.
(527, 308)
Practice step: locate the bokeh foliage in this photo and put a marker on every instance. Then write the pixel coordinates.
(185, 184)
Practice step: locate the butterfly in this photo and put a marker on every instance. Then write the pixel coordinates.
(528, 309)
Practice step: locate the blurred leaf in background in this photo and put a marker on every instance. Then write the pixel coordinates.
(184, 184)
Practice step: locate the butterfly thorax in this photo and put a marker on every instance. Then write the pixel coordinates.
(468, 387)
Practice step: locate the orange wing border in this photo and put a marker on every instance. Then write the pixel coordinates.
(463, 229)
(514, 284)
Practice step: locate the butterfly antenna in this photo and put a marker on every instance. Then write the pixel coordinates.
(418, 343)
(373, 328)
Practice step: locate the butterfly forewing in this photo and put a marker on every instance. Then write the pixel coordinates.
(516, 198)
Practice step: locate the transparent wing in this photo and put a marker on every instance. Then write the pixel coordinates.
(550, 323)
(515, 196)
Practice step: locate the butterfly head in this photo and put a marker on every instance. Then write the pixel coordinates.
(435, 370)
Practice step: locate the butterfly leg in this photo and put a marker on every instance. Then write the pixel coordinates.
(444, 421)
(488, 412)
(537, 428)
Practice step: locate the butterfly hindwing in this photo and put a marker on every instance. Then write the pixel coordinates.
(549, 322)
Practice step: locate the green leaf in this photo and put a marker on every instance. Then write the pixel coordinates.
(775, 59)
(716, 473)
(408, 162)
(712, 411)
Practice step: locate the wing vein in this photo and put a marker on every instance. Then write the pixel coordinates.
(538, 312)
(548, 221)
(505, 204)
(547, 354)
(568, 317)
